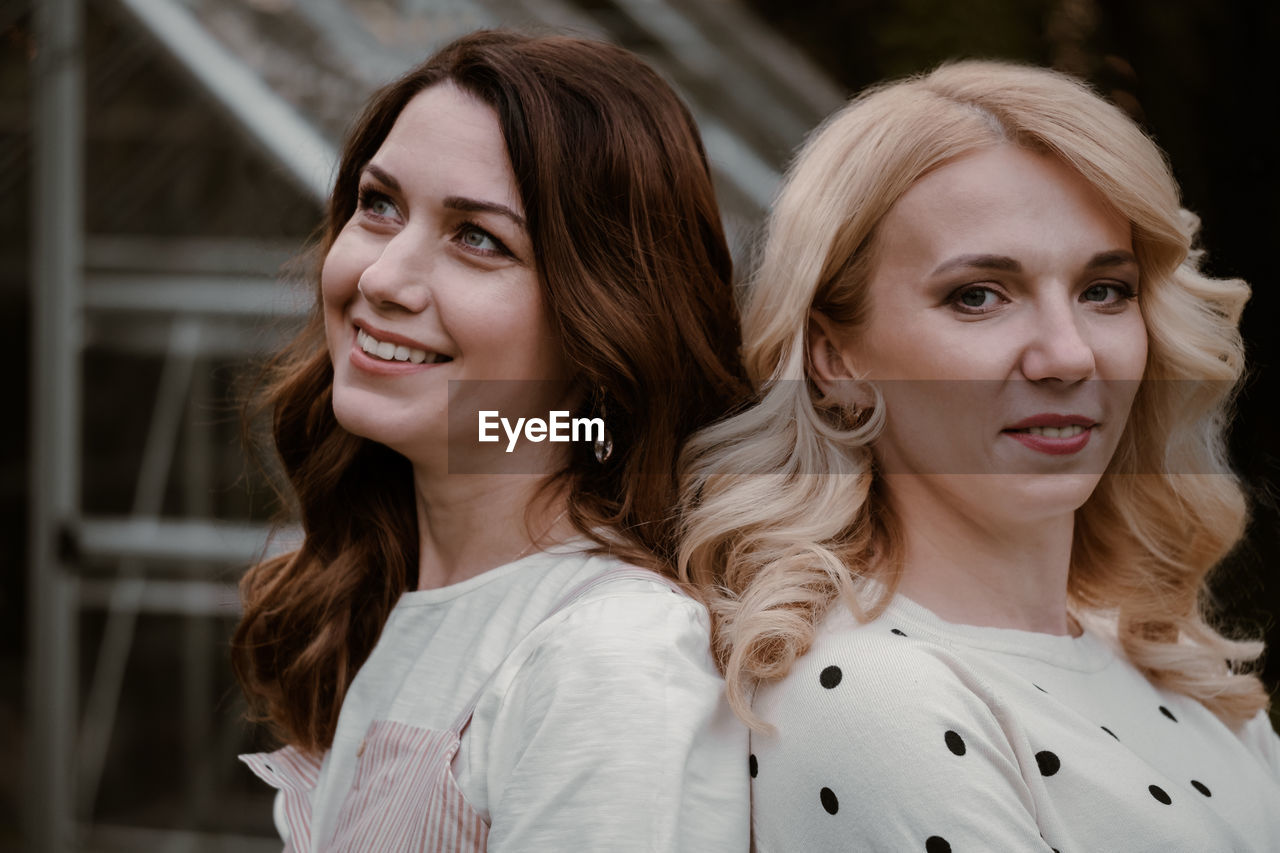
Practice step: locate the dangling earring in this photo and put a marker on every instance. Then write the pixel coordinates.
(604, 441)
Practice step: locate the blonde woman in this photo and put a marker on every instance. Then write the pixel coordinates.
(959, 547)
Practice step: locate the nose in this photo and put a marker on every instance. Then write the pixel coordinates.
(399, 278)
(1058, 349)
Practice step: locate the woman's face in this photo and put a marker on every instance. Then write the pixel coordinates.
(434, 280)
(1005, 333)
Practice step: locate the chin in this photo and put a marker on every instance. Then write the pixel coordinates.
(1036, 497)
(366, 416)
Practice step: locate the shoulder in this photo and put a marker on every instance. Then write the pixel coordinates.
(629, 617)
(881, 669)
(1260, 738)
(879, 691)
(614, 700)
(875, 734)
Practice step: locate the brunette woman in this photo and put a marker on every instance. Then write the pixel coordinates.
(961, 544)
(474, 648)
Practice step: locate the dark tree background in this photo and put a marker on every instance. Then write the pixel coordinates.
(1201, 77)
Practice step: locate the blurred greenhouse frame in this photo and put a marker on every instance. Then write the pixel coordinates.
(178, 159)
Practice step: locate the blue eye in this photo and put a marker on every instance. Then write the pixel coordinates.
(478, 239)
(1107, 293)
(377, 204)
(976, 300)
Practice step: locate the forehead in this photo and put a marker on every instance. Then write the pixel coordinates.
(447, 142)
(1004, 200)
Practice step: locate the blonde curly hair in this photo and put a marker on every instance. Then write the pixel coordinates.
(782, 510)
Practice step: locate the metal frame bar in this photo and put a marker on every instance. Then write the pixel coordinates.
(122, 611)
(269, 120)
(66, 289)
(57, 147)
(245, 296)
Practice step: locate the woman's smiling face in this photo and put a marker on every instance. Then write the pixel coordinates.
(1004, 331)
(434, 279)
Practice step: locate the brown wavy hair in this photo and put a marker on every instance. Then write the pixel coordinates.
(637, 279)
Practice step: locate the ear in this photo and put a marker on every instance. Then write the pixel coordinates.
(829, 364)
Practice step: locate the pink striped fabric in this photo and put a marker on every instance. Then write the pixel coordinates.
(294, 773)
(403, 796)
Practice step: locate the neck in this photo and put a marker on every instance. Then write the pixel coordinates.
(979, 570)
(470, 524)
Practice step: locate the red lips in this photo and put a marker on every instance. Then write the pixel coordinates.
(1053, 445)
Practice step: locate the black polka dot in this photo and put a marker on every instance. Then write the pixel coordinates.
(830, 677)
(1108, 731)
(955, 743)
(1049, 763)
(896, 631)
(829, 801)
(1201, 787)
(1038, 687)
(1168, 713)
(1159, 794)
(753, 766)
(936, 844)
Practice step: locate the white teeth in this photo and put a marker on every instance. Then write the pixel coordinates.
(394, 352)
(1057, 432)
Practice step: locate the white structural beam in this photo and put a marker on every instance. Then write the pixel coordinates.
(214, 295)
(57, 149)
(175, 540)
(270, 120)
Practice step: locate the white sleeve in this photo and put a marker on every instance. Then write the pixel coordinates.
(614, 735)
(888, 749)
(1262, 740)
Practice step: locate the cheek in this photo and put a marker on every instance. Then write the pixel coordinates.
(514, 332)
(1126, 350)
(936, 426)
(339, 275)
(338, 279)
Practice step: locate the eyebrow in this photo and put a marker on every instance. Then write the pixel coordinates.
(453, 202)
(471, 205)
(1004, 263)
(1114, 258)
(382, 176)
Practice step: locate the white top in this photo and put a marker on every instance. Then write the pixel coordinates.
(603, 728)
(912, 734)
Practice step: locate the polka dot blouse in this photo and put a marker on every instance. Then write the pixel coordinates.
(912, 734)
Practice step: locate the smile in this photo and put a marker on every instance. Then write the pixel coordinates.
(388, 351)
(1054, 432)
(1056, 435)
